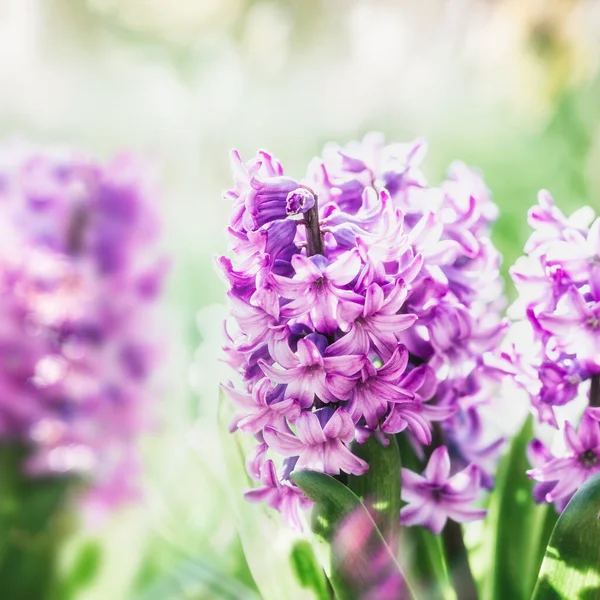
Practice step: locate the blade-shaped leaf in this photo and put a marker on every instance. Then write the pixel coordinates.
(196, 578)
(427, 563)
(266, 539)
(362, 562)
(571, 567)
(519, 525)
(308, 570)
(379, 488)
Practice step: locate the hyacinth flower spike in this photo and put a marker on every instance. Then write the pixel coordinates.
(364, 306)
(559, 312)
(81, 273)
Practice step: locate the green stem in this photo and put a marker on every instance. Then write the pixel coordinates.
(458, 562)
(32, 527)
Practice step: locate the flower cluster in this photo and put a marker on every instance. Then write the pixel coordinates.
(362, 302)
(80, 276)
(559, 302)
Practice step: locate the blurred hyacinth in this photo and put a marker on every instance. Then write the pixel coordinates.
(363, 301)
(556, 355)
(80, 275)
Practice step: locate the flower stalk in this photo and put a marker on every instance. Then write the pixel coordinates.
(457, 559)
(595, 391)
(314, 237)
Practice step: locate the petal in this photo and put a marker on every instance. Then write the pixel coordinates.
(572, 439)
(309, 430)
(395, 366)
(279, 348)
(373, 300)
(567, 485)
(340, 385)
(304, 388)
(343, 270)
(417, 514)
(279, 375)
(411, 480)
(555, 469)
(340, 425)
(343, 365)
(396, 298)
(356, 341)
(465, 514)
(309, 354)
(438, 467)
(588, 432)
(267, 299)
(348, 312)
(288, 287)
(465, 483)
(284, 443)
(305, 268)
(348, 462)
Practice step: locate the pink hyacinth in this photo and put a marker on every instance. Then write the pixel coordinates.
(80, 276)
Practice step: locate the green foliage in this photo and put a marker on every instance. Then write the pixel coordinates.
(571, 567)
(308, 569)
(32, 526)
(197, 579)
(342, 520)
(518, 528)
(379, 488)
(266, 540)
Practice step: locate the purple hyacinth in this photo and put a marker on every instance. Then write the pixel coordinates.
(362, 302)
(558, 361)
(80, 274)
(435, 497)
(561, 476)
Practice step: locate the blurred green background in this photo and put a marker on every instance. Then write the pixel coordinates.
(509, 86)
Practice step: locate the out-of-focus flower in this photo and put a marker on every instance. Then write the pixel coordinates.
(435, 497)
(354, 293)
(559, 304)
(562, 476)
(80, 276)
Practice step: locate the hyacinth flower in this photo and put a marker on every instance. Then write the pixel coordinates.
(554, 354)
(434, 497)
(81, 274)
(364, 303)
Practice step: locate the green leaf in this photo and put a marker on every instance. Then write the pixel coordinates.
(308, 569)
(33, 523)
(357, 546)
(427, 563)
(82, 573)
(194, 578)
(267, 541)
(571, 567)
(379, 488)
(520, 526)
